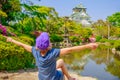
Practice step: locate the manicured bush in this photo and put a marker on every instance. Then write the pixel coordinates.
(26, 39)
(13, 57)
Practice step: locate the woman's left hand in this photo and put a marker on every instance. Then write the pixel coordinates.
(9, 39)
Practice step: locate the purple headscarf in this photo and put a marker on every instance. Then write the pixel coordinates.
(43, 41)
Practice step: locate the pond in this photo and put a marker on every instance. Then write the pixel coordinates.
(100, 63)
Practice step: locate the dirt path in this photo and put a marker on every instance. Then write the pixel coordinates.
(31, 75)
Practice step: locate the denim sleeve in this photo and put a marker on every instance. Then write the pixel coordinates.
(56, 52)
(34, 52)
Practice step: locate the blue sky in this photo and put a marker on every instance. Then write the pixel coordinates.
(97, 9)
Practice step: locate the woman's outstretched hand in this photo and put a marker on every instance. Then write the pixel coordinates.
(92, 45)
(9, 39)
(25, 46)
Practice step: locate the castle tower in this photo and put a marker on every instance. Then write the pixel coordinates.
(80, 15)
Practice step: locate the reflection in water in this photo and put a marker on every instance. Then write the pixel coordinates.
(98, 71)
(101, 63)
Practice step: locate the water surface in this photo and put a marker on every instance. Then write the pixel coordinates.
(100, 63)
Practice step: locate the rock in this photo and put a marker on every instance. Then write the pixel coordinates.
(33, 75)
(78, 77)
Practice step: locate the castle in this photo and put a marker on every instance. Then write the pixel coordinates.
(80, 15)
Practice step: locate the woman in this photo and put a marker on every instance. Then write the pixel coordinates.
(46, 57)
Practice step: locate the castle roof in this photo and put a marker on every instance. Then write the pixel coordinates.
(80, 14)
(80, 6)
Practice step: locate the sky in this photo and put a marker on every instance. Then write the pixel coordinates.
(96, 9)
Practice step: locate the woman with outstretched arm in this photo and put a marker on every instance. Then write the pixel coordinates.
(46, 57)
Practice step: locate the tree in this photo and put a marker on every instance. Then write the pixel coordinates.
(33, 18)
(114, 19)
(8, 8)
(101, 28)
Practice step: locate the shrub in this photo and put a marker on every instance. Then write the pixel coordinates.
(56, 38)
(75, 40)
(117, 45)
(26, 39)
(118, 48)
(13, 57)
(98, 38)
(104, 40)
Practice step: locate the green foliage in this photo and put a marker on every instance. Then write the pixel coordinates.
(27, 39)
(33, 19)
(2, 38)
(13, 57)
(75, 40)
(117, 45)
(3, 14)
(9, 8)
(104, 40)
(118, 48)
(114, 19)
(55, 38)
(25, 26)
(98, 38)
(15, 5)
(53, 25)
(101, 28)
(112, 43)
(114, 66)
(116, 31)
(85, 32)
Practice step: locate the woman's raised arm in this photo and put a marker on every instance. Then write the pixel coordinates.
(25, 46)
(78, 48)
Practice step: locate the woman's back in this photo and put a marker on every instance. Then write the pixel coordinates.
(47, 64)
